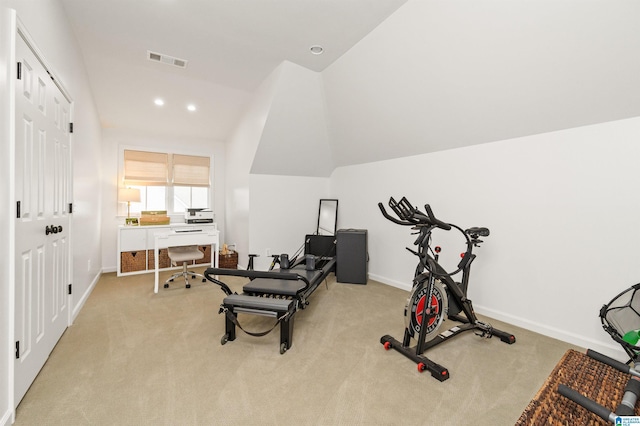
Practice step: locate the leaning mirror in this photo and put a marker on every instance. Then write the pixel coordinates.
(327, 217)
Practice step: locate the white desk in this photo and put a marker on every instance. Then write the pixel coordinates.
(191, 237)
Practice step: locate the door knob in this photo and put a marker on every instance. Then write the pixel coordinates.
(52, 229)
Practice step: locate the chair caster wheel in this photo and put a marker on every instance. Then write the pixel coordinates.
(193, 277)
(204, 280)
(166, 286)
(188, 286)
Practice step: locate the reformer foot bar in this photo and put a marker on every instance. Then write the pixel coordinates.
(279, 294)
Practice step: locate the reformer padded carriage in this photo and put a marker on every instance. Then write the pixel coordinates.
(278, 293)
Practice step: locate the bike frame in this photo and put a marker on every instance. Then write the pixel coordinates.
(427, 271)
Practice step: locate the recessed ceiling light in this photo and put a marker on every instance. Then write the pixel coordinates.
(191, 107)
(316, 50)
(158, 102)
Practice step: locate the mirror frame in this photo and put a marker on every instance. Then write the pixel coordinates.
(330, 208)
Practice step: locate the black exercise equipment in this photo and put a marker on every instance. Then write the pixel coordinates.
(277, 293)
(621, 320)
(353, 257)
(435, 294)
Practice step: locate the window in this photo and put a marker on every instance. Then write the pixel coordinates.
(185, 197)
(172, 182)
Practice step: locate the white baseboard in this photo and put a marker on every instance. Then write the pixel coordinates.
(78, 307)
(612, 350)
(7, 418)
(609, 349)
(393, 283)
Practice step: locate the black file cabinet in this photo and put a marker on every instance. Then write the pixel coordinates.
(352, 258)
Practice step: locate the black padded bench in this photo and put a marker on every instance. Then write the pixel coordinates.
(281, 309)
(261, 286)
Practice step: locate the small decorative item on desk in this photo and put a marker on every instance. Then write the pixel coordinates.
(131, 221)
(154, 217)
(227, 258)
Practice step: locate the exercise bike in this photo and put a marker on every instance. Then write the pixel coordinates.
(435, 295)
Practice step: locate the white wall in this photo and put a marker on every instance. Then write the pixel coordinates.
(294, 141)
(47, 25)
(241, 150)
(283, 134)
(114, 213)
(283, 210)
(563, 212)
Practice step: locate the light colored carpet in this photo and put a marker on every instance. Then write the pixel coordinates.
(135, 358)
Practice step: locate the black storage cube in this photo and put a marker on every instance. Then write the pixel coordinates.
(352, 256)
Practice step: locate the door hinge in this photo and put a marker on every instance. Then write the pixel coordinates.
(70, 127)
(18, 209)
(70, 207)
(18, 349)
(70, 286)
(19, 70)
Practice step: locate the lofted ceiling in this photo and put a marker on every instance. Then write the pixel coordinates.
(434, 75)
(230, 47)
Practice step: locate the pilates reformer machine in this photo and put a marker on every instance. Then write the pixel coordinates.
(278, 293)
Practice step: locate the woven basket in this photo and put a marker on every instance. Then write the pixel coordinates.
(163, 259)
(228, 261)
(131, 261)
(593, 379)
(206, 250)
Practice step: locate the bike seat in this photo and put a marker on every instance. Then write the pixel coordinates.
(477, 232)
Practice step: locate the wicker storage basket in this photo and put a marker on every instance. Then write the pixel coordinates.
(131, 261)
(228, 261)
(207, 254)
(163, 262)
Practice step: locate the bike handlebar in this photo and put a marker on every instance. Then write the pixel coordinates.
(393, 219)
(411, 216)
(435, 221)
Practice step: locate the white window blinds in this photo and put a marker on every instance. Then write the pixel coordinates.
(142, 168)
(190, 170)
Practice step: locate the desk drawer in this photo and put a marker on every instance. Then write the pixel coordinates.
(133, 239)
(151, 236)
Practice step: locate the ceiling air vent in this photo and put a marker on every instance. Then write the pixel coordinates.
(166, 59)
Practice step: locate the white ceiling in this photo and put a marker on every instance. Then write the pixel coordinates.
(434, 75)
(231, 46)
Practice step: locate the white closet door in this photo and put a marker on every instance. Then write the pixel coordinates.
(43, 183)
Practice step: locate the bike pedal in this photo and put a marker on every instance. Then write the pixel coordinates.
(487, 334)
